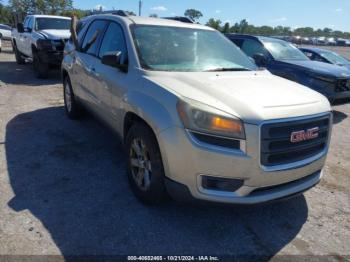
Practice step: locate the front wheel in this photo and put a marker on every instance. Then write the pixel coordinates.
(41, 69)
(18, 56)
(145, 166)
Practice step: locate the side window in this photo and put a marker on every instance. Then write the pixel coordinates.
(237, 42)
(114, 41)
(30, 23)
(93, 37)
(319, 58)
(25, 22)
(81, 30)
(309, 55)
(251, 47)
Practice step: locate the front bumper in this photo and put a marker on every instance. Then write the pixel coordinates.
(331, 90)
(186, 162)
(51, 57)
(181, 192)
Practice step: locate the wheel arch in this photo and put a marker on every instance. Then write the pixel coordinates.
(158, 116)
(143, 107)
(64, 74)
(33, 47)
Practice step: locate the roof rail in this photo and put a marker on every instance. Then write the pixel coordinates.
(183, 19)
(111, 12)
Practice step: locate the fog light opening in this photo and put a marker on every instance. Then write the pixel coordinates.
(221, 184)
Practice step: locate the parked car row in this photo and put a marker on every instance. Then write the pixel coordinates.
(201, 118)
(285, 60)
(321, 41)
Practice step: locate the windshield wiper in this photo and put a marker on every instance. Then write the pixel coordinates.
(224, 69)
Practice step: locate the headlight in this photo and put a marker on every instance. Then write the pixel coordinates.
(44, 44)
(325, 78)
(202, 118)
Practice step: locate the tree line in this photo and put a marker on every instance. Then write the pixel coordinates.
(243, 27)
(65, 8)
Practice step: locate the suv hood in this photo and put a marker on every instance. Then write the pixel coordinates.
(251, 96)
(320, 68)
(54, 34)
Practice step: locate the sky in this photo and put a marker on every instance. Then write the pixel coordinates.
(334, 14)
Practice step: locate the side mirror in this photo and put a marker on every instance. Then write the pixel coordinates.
(113, 59)
(260, 59)
(251, 59)
(20, 28)
(28, 30)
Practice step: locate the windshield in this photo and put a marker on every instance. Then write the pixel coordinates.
(165, 48)
(281, 50)
(334, 58)
(52, 23)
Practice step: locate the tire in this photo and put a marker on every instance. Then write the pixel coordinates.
(18, 55)
(41, 69)
(71, 106)
(145, 168)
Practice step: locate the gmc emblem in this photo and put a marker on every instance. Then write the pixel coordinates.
(304, 135)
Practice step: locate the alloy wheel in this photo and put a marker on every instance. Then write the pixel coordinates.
(68, 97)
(140, 163)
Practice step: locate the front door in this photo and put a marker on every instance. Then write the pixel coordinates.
(111, 82)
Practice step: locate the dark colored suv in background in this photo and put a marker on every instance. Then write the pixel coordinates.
(325, 56)
(285, 60)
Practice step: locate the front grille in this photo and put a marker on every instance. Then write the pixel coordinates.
(59, 44)
(276, 145)
(342, 86)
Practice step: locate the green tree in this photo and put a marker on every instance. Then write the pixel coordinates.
(26, 6)
(76, 12)
(266, 30)
(327, 31)
(5, 15)
(52, 7)
(214, 23)
(56, 7)
(243, 26)
(226, 28)
(193, 14)
(235, 28)
(304, 31)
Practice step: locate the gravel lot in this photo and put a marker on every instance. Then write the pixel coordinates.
(64, 191)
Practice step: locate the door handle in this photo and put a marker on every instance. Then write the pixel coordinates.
(95, 74)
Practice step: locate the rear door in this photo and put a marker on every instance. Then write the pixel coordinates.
(85, 64)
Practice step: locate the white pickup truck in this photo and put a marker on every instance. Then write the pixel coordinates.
(41, 39)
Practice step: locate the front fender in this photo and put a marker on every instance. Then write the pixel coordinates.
(158, 114)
